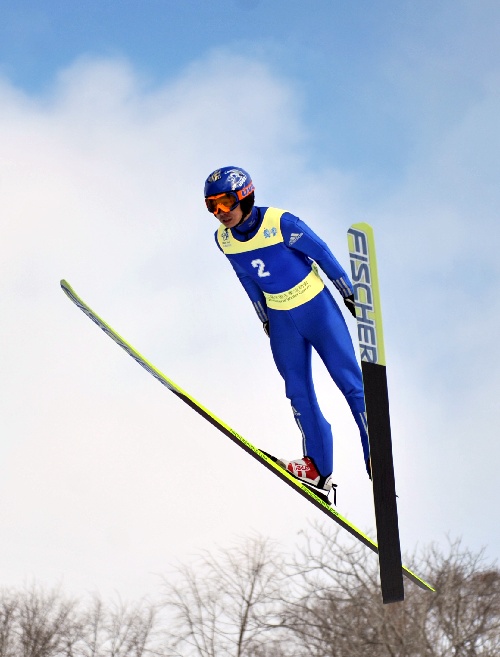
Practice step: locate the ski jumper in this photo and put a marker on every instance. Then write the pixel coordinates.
(274, 255)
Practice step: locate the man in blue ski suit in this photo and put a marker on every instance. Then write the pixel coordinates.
(274, 255)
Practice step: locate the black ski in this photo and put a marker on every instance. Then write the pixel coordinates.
(371, 344)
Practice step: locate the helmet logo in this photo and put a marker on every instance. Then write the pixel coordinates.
(236, 178)
(213, 177)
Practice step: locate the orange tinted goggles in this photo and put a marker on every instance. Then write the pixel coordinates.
(226, 202)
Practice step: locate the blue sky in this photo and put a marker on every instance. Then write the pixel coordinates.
(111, 116)
(350, 63)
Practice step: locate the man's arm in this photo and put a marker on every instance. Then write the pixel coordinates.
(299, 237)
(254, 292)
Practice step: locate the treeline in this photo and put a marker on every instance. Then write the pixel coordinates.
(252, 600)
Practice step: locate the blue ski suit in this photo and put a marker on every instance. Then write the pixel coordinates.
(274, 255)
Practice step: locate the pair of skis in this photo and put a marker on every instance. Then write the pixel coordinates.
(363, 268)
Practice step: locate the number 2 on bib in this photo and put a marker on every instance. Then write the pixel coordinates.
(261, 268)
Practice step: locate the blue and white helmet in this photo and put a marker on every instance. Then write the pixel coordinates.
(229, 179)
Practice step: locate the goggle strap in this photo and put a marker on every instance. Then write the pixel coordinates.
(243, 193)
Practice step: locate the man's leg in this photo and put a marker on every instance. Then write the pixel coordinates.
(292, 355)
(322, 322)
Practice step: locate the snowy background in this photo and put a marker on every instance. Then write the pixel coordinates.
(111, 116)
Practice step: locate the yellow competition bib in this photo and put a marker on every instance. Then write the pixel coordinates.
(301, 293)
(268, 234)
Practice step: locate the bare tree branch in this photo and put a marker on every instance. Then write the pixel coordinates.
(250, 601)
(227, 604)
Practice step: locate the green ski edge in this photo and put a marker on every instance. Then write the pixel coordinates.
(259, 455)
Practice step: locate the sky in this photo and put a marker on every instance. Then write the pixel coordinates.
(111, 117)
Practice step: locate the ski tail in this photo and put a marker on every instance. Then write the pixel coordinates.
(371, 344)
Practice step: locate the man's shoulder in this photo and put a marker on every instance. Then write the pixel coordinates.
(286, 215)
